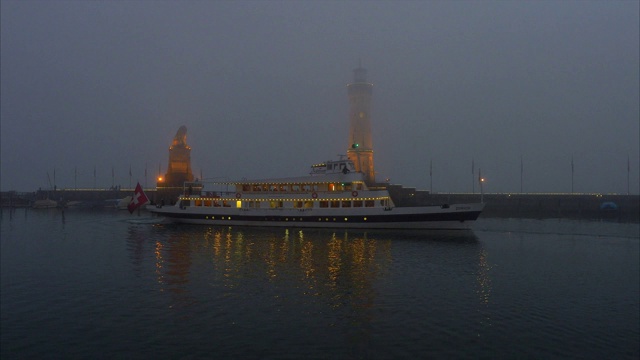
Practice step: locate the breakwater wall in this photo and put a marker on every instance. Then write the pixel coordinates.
(575, 206)
(80, 197)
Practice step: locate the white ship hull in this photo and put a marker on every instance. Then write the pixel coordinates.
(455, 216)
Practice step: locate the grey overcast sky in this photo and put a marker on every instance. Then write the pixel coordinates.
(260, 86)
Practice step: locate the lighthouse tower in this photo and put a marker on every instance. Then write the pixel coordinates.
(360, 149)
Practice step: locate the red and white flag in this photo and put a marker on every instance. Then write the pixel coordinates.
(139, 199)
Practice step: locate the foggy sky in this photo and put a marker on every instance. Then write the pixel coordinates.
(261, 87)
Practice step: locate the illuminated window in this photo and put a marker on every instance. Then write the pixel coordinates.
(335, 204)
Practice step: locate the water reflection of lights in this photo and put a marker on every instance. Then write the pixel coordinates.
(483, 278)
(335, 268)
(326, 260)
(159, 261)
(484, 288)
(335, 260)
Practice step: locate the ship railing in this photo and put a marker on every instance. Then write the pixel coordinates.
(311, 194)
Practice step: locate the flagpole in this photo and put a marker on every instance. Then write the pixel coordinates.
(473, 177)
(75, 178)
(94, 177)
(572, 174)
(521, 173)
(628, 171)
(129, 176)
(431, 176)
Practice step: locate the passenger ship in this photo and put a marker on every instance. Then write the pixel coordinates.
(333, 195)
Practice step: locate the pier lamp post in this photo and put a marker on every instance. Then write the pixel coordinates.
(480, 182)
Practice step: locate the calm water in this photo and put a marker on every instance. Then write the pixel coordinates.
(104, 284)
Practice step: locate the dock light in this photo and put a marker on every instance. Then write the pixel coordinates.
(159, 178)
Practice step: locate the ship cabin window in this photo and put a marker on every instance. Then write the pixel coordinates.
(308, 204)
(273, 188)
(185, 203)
(346, 203)
(216, 203)
(198, 202)
(284, 187)
(297, 204)
(238, 204)
(357, 203)
(225, 203)
(256, 188)
(276, 204)
(295, 187)
(207, 203)
(332, 187)
(359, 186)
(246, 187)
(335, 203)
(324, 204)
(369, 203)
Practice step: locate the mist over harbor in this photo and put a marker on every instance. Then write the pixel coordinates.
(539, 91)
